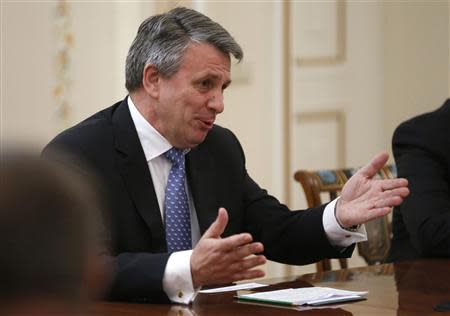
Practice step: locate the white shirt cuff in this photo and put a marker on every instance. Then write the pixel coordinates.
(177, 279)
(336, 234)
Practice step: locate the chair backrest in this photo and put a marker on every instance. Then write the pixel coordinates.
(330, 182)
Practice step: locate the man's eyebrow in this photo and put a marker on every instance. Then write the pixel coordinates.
(226, 83)
(213, 76)
(216, 77)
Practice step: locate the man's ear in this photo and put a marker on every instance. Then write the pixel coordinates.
(151, 80)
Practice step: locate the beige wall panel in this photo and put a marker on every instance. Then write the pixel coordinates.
(94, 73)
(249, 102)
(103, 34)
(337, 100)
(416, 60)
(27, 72)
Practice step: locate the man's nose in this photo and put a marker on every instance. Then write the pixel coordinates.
(216, 102)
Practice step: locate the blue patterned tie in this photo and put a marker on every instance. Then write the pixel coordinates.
(176, 207)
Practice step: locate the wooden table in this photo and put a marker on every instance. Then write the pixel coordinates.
(407, 288)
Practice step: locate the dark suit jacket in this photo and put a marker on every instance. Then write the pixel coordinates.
(108, 143)
(421, 225)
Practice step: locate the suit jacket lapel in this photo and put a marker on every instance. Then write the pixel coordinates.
(200, 175)
(133, 167)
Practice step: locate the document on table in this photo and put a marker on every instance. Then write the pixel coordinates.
(242, 286)
(304, 296)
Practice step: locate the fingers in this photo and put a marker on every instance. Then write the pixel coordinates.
(402, 192)
(388, 198)
(238, 247)
(235, 241)
(371, 169)
(381, 203)
(389, 201)
(248, 263)
(392, 197)
(218, 226)
(245, 251)
(244, 269)
(378, 212)
(211, 263)
(396, 191)
(390, 184)
(247, 275)
(216, 260)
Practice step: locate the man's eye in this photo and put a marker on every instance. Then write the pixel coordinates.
(206, 84)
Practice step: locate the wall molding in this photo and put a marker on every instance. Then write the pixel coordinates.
(337, 116)
(65, 42)
(340, 55)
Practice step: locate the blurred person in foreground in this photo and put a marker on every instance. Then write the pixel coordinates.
(183, 211)
(48, 232)
(421, 225)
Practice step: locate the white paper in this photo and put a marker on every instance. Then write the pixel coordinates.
(306, 295)
(243, 286)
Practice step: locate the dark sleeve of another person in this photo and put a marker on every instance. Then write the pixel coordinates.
(421, 148)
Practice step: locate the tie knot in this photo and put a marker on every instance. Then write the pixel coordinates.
(175, 156)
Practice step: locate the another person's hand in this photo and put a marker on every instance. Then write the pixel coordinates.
(365, 198)
(217, 260)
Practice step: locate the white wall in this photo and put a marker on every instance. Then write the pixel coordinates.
(416, 60)
(102, 33)
(27, 73)
(250, 103)
(345, 94)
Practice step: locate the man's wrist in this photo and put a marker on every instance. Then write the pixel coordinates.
(353, 228)
(177, 279)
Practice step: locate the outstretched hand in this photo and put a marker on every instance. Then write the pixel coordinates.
(217, 260)
(364, 198)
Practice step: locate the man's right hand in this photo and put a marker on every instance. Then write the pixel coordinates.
(217, 260)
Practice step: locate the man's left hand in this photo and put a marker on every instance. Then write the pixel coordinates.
(364, 198)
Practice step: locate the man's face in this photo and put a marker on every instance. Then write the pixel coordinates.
(191, 98)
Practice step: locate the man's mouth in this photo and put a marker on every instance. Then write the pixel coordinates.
(207, 123)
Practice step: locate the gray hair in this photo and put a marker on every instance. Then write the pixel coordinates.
(162, 39)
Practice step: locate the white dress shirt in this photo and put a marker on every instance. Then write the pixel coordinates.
(177, 280)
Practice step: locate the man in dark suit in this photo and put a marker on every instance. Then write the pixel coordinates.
(421, 225)
(163, 134)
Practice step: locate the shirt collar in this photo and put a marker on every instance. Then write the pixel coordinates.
(152, 142)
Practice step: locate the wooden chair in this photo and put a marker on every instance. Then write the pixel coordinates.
(330, 182)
